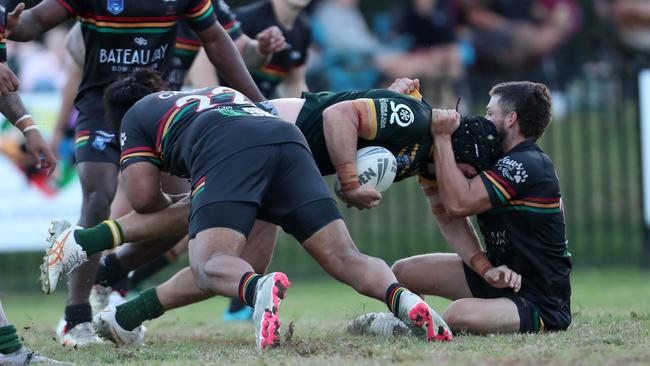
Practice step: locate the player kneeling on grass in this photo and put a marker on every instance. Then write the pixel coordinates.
(521, 284)
(244, 164)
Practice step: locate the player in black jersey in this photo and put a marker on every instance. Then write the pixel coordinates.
(244, 163)
(120, 36)
(284, 75)
(519, 210)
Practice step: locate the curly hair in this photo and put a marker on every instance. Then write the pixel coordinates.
(532, 103)
(124, 93)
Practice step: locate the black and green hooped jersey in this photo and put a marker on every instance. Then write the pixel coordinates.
(400, 123)
(123, 35)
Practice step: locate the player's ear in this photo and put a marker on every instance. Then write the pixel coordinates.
(511, 119)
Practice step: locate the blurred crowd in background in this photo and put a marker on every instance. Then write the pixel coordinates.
(445, 43)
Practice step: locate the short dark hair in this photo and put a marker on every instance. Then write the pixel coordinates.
(532, 103)
(124, 93)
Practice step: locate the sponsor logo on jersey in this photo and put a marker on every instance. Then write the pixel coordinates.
(497, 240)
(401, 114)
(122, 139)
(383, 112)
(511, 170)
(140, 41)
(101, 139)
(129, 56)
(295, 55)
(115, 6)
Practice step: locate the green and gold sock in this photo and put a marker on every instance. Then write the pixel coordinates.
(145, 306)
(106, 235)
(9, 342)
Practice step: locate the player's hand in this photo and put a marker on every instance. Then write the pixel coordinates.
(444, 121)
(270, 40)
(405, 85)
(12, 19)
(37, 147)
(503, 277)
(8, 80)
(362, 198)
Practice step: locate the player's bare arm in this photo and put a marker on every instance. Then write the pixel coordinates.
(11, 106)
(258, 52)
(460, 196)
(343, 124)
(461, 236)
(224, 55)
(142, 182)
(26, 25)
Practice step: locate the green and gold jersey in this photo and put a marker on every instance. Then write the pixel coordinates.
(397, 122)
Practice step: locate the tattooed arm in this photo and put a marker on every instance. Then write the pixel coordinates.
(11, 106)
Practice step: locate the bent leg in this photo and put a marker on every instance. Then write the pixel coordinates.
(333, 248)
(440, 274)
(483, 316)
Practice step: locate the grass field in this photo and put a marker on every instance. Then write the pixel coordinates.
(611, 327)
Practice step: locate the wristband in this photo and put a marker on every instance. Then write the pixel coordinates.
(29, 128)
(22, 118)
(480, 263)
(347, 173)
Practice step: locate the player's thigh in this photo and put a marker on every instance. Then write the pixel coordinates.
(213, 242)
(260, 245)
(483, 316)
(440, 274)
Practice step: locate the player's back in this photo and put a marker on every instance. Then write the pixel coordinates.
(211, 122)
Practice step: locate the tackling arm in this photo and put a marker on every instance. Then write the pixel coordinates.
(224, 56)
(142, 182)
(35, 21)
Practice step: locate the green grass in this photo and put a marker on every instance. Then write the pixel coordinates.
(611, 327)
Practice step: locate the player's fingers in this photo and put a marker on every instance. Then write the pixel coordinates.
(507, 275)
(513, 280)
(518, 284)
(17, 10)
(3, 89)
(416, 82)
(50, 161)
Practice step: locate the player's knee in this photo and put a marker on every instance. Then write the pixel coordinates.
(399, 268)
(460, 315)
(200, 277)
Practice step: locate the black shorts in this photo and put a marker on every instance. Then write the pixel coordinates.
(94, 141)
(530, 315)
(277, 183)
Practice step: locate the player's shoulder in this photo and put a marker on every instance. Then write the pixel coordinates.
(525, 162)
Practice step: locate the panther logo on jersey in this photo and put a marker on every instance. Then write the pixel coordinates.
(115, 6)
(401, 114)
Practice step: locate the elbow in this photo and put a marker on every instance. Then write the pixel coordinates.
(146, 204)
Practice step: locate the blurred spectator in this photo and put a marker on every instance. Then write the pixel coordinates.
(631, 20)
(43, 65)
(433, 55)
(346, 47)
(513, 34)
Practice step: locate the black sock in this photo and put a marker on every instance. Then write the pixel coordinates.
(247, 286)
(393, 294)
(236, 305)
(77, 314)
(147, 270)
(110, 271)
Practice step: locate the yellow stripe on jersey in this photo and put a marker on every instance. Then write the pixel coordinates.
(367, 118)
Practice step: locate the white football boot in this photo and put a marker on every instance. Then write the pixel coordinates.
(379, 324)
(62, 256)
(108, 328)
(26, 356)
(79, 336)
(102, 296)
(419, 316)
(270, 291)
